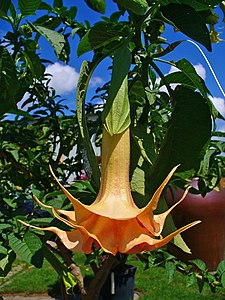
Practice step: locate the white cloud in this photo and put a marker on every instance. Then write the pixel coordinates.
(173, 69)
(219, 103)
(221, 128)
(64, 78)
(201, 71)
(95, 81)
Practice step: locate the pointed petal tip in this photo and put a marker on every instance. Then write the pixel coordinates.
(40, 203)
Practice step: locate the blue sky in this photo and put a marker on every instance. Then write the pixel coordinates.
(65, 77)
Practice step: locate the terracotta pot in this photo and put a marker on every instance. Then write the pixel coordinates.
(207, 239)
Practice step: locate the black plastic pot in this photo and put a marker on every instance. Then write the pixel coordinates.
(119, 285)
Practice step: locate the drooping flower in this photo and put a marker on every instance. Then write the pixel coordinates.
(113, 221)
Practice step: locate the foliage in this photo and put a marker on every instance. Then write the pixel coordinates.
(195, 272)
(161, 134)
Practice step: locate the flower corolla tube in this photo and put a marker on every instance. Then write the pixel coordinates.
(113, 221)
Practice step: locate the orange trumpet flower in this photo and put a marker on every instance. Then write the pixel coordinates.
(113, 221)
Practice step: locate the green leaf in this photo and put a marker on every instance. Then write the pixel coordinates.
(92, 168)
(221, 268)
(188, 77)
(69, 281)
(57, 3)
(199, 264)
(6, 263)
(56, 39)
(169, 49)
(222, 279)
(22, 113)
(45, 6)
(118, 117)
(4, 6)
(196, 4)
(142, 157)
(49, 22)
(144, 140)
(41, 221)
(116, 114)
(34, 63)
(9, 82)
(28, 7)
(138, 7)
(58, 266)
(3, 250)
(100, 35)
(188, 21)
(190, 279)
(188, 133)
(5, 226)
(189, 71)
(97, 5)
(29, 249)
(179, 242)
(10, 202)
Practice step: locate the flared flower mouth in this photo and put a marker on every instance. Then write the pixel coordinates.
(113, 221)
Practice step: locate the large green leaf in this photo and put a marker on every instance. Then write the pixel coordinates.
(56, 39)
(97, 5)
(28, 7)
(188, 21)
(100, 35)
(189, 131)
(9, 82)
(29, 249)
(116, 115)
(138, 7)
(89, 155)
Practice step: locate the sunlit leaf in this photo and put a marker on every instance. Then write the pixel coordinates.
(29, 249)
(221, 268)
(6, 263)
(199, 264)
(56, 39)
(116, 115)
(69, 281)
